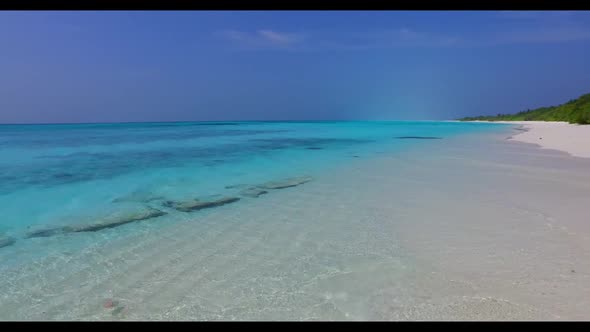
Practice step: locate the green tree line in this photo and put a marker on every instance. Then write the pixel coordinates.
(574, 111)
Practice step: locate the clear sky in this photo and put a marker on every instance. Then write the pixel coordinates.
(244, 65)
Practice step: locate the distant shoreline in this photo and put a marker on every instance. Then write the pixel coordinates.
(556, 135)
(207, 122)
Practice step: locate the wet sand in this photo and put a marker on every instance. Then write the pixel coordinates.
(562, 136)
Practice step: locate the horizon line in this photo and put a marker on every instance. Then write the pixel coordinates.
(211, 121)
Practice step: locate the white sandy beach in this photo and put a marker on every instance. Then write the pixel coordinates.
(570, 138)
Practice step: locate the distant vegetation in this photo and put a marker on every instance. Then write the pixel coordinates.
(574, 111)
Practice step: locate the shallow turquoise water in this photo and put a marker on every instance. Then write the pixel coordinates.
(330, 249)
(56, 174)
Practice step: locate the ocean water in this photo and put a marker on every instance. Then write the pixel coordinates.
(59, 175)
(53, 173)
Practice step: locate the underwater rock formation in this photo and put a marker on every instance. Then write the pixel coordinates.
(139, 196)
(418, 137)
(195, 204)
(253, 192)
(286, 183)
(111, 222)
(44, 232)
(237, 186)
(6, 241)
(107, 222)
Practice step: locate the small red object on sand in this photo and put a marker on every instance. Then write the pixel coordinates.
(108, 303)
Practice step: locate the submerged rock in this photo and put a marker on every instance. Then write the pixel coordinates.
(253, 192)
(6, 241)
(116, 221)
(418, 137)
(44, 232)
(195, 204)
(313, 148)
(286, 183)
(139, 196)
(237, 186)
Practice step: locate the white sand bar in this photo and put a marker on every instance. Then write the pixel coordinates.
(571, 138)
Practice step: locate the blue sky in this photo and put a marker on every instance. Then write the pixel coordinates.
(272, 65)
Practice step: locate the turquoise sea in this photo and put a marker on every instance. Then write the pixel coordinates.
(244, 216)
(53, 173)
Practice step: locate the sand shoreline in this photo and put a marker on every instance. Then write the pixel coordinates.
(562, 136)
